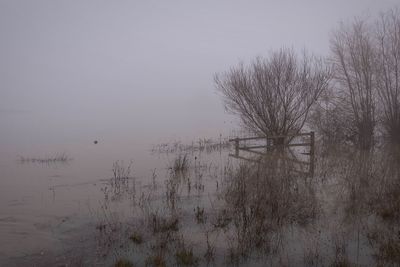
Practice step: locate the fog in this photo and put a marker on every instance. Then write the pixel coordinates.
(81, 70)
(132, 75)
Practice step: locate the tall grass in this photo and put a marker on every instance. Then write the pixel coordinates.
(181, 163)
(120, 170)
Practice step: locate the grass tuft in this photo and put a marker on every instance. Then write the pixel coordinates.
(123, 263)
(136, 238)
(156, 261)
(181, 163)
(185, 257)
(163, 225)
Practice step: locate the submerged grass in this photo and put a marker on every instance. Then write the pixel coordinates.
(57, 158)
(258, 208)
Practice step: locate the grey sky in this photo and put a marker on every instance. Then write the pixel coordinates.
(141, 66)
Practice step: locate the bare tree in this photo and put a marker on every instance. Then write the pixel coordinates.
(387, 39)
(329, 118)
(273, 95)
(353, 60)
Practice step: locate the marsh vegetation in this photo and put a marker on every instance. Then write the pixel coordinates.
(261, 212)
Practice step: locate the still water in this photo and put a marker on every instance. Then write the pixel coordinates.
(45, 207)
(189, 202)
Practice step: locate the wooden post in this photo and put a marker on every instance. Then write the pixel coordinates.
(312, 152)
(269, 143)
(237, 146)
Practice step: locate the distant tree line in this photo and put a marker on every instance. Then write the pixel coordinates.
(351, 96)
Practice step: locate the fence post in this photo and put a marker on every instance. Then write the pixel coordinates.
(269, 143)
(237, 146)
(312, 152)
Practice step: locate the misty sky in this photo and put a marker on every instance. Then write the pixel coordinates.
(96, 69)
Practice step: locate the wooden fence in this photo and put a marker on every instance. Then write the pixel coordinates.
(276, 142)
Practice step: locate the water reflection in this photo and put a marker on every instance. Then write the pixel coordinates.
(262, 200)
(366, 205)
(254, 209)
(247, 206)
(342, 211)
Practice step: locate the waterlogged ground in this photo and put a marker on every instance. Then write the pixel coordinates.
(195, 204)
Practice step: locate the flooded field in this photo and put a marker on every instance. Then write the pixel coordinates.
(194, 205)
(212, 133)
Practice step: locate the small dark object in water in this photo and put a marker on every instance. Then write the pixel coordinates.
(95, 142)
